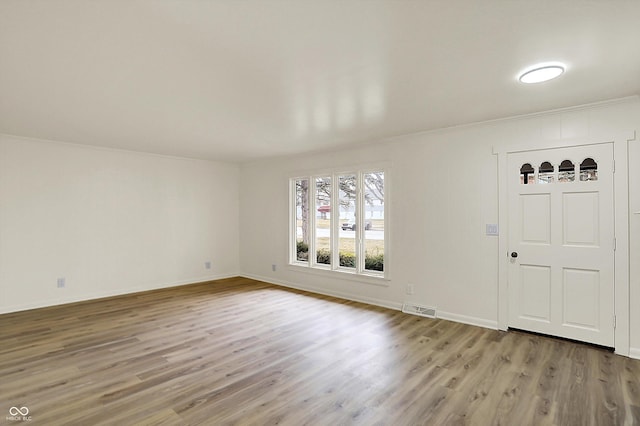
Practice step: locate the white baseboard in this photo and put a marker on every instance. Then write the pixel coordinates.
(634, 353)
(377, 302)
(348, 296)
(112, 293)
(479, 322)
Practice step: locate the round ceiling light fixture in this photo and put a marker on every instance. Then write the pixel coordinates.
(541, 72)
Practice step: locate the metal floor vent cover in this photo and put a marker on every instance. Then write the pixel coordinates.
(423, 311)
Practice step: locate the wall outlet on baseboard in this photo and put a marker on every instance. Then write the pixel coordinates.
(61, 282)
(273, 267)
(409, 289)
(207, 265)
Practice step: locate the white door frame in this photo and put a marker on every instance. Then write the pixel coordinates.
(621, 225)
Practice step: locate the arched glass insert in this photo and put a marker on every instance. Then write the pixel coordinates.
(588, 170)
(546, 173)
(527, 174)
(566, 171)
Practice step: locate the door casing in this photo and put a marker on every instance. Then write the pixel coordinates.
(621, 224)
(562, 281)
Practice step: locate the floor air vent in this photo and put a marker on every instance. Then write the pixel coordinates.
(423, 311)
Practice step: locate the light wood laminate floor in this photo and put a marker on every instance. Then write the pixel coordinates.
(238, 351)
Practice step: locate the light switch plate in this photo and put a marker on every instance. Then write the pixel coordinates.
(492, 229)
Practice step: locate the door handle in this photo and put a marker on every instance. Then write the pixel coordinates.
(514, 254)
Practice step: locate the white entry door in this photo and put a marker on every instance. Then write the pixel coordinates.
(561, 242)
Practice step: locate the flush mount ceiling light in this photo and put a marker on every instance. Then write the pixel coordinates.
(541, 72)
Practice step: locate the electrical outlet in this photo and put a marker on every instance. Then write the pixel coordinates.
(61, 282)
(409, 289)
(207, 265)
(273, 267)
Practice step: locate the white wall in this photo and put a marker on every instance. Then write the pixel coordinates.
(115, 222)
(444, 189)
(109, 222)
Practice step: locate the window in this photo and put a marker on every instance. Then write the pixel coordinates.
(347, 217)
(323, 220)
(302, 219)
(349, 238)
(567, 171)
(545, 173)
(374, 221)
(588, 170)
(527, 174)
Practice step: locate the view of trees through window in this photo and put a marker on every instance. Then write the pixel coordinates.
(373, 199)
(347, 203)
(302, 219)
(323, 220)
(352, 237)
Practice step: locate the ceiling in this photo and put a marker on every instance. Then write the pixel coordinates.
(239, 80)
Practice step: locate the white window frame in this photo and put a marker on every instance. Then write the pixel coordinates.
(359, 272)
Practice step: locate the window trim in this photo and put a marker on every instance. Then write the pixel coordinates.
(359, 273)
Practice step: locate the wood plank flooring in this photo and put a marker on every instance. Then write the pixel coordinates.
(242, 352)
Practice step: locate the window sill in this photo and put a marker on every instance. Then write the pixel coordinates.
(373, 279)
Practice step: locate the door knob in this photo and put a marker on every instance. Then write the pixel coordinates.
(514, 254)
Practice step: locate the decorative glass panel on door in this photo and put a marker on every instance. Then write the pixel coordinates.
(566, 171)
(546, 173)
(588, 170)
(527, 174)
